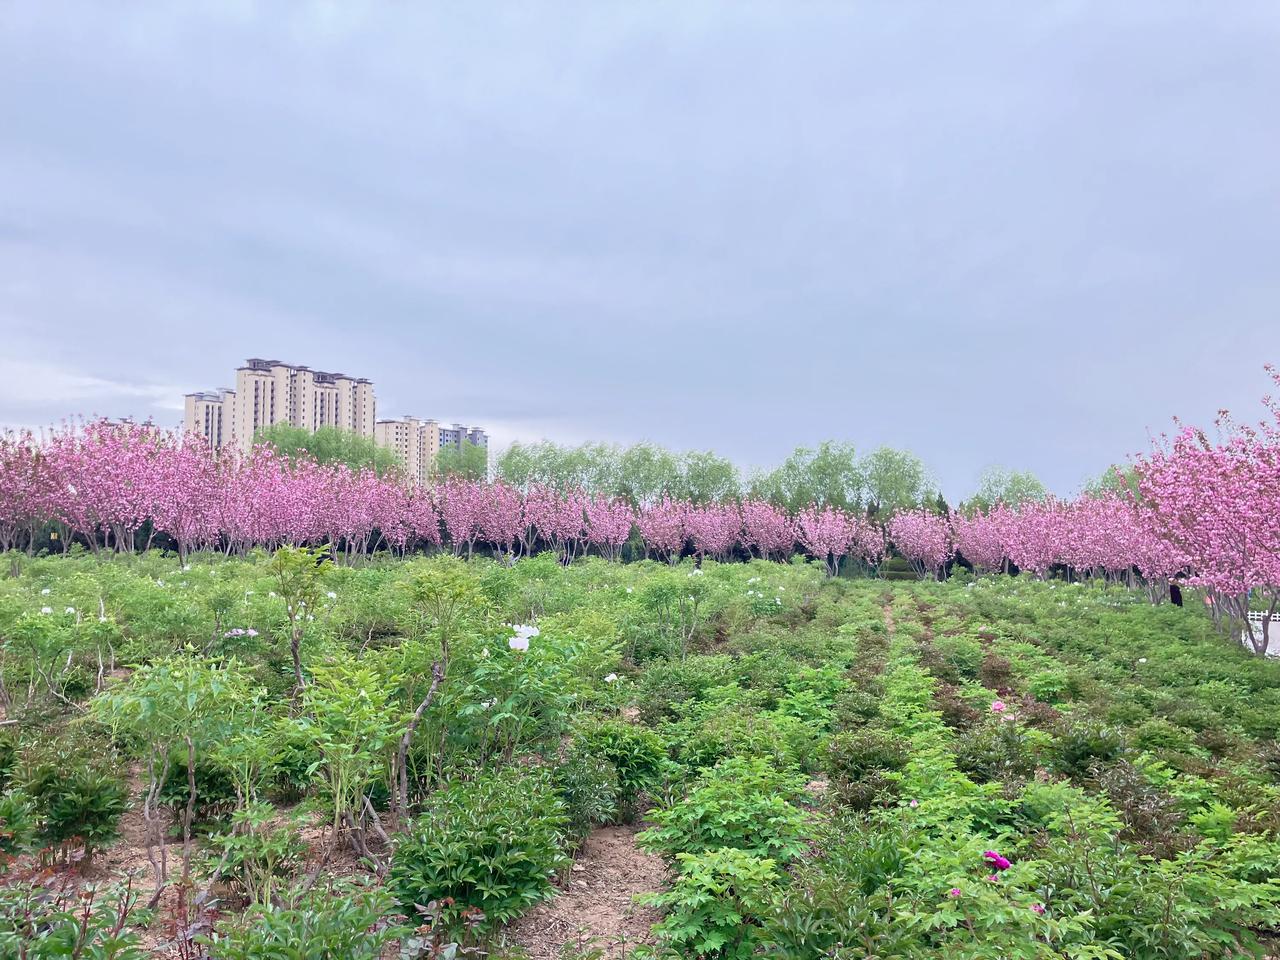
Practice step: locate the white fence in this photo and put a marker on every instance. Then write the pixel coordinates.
(1255, 618)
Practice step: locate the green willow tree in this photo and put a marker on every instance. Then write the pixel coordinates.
(329, 445)
(470, 461)
(1013, 488)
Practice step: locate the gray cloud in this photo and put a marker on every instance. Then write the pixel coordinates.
(992, 233)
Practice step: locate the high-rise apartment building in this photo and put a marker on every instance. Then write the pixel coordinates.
(269, 392)
(210, 414)
(418, 442)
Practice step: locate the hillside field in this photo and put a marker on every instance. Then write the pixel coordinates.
(282, 757)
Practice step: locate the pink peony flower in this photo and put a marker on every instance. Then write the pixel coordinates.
(1038, 908)
(998, 706)
(953, 892)
(997, 861)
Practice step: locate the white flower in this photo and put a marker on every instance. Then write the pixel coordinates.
(251, 632)
(629, 590)
(485, 652)
(44, 592)
(46, 609)
(696, 573)
(271, 593)
(754, 580)
(71, 610)
(488, 704)
(159, 583)
(778, 601)
(71, 489)
(518, 643)
(331, 595)
(524, 630)
(1142, 659)
(610, 678)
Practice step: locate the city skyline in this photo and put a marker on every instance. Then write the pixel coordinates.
(271, 392)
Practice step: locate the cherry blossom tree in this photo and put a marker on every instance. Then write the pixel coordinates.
(664, 529)
(460, 508)
(828, 534)
(1218, 503)
(979, 539)
(501, 518)
(609, 523)
(924, 539)
(766, 530)
(714, 529)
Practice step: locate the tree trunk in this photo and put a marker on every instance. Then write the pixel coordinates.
(406, 739)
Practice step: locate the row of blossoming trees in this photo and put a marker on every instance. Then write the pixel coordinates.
(1202, 510)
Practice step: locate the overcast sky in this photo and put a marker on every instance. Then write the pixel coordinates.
(1023, 234)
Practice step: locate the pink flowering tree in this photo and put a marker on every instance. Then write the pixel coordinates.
(424, 518)
(979, 539)
(714, 529)
(766, 531)
(869, 543)
(663, 527)
(460, 508)
(1034, 536)
(1217, 503)
(828, 534)
(609, 524)
(26, 485)
(501, 518)
(924, 539)
(558, 519)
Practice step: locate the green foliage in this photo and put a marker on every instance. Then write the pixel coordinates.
(742, 803)
(470, 461)
(1138, 811)
(79, 800)
(714, 906)
(642, 473)
(255, 853)
(350, 721)
(490, 845)
(859, 762)
(301, 574)
(845, 896)
(997, 750)
(216, 794)
(340, 922)
(896, 480)
(637, 754)
(444, 594)
(588, 785)
(65, 923)
(1012, 488)
(829, 476)
(18, 825)
(328, 445)
(1079, 744)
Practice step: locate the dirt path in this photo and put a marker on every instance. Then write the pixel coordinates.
(595, 906)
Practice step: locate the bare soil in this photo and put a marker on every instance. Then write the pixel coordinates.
(595, 905)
